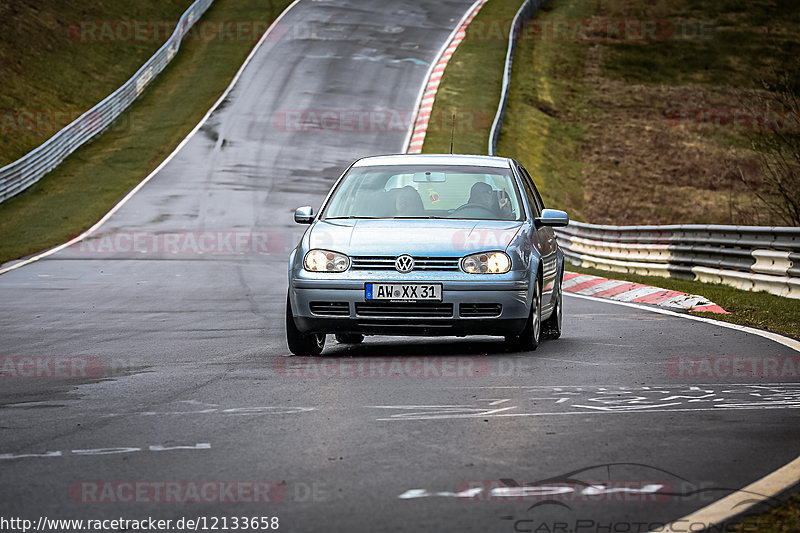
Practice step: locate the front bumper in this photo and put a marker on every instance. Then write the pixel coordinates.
(468, 307)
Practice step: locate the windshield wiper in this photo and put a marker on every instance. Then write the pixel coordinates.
(350, 217)
(419, 217)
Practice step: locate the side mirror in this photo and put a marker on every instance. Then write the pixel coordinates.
(304, 215)
(553, 218)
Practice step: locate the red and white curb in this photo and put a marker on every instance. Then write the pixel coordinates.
(626, 291)
(435, 78)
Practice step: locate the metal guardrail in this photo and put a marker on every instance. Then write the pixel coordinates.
(524, 13)
(757, 258)
(30, 168)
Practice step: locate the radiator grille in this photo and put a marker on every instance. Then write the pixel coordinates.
(404, 309)
(382, 262)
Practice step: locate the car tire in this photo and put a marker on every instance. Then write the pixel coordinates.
(301, 343)
(531, 335)
(349, 338)
(551, 328)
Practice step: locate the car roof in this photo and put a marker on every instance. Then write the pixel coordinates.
(434, 159)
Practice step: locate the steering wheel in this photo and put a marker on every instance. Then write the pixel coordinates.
(474, 207)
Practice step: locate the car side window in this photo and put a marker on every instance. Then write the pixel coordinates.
(539, 200)
(530, 191)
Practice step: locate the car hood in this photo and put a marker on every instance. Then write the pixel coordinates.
(414, 237)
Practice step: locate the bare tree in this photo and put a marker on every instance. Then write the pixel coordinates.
(776, 140)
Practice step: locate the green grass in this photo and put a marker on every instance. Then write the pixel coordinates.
(48, 67)
(471, 83)
(737, 41)
(81, 190)
(542, 129)
(782, 519)
(755, 309)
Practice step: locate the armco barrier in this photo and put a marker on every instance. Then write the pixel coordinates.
(524, 13)
(756, 258)
(24, 172)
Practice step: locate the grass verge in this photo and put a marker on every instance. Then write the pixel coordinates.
(83, 188)
(622, 125)
(58, 58)
(471, 83)
(543, 129)
(782, 519)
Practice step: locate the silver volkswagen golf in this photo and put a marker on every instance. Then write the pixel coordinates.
(427, 245)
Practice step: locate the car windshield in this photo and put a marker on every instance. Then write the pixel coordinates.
(459, 192)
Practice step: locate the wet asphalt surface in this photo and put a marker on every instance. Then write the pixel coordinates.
(164, 362)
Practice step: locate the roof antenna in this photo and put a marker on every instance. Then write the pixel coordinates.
(452, 129)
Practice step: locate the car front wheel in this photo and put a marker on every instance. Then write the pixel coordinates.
(301, 343)
(530, 337)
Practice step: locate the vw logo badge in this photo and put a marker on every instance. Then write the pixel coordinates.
(404, 264)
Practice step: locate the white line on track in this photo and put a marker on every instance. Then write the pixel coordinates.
(789, 342)
(727, 508)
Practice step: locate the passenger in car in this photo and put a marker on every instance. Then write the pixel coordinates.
(408, 202)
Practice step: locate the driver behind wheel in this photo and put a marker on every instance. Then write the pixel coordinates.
(497, 202)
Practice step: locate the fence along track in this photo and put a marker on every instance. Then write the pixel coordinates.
(30, 168)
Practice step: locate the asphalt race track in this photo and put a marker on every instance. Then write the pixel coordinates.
(132, 364)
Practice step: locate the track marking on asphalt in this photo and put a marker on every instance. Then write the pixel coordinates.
(238, 411)
(170, 157)
(571, 361)
(494, 402)
(106, 451)
(437, 412)
(794, 344)
(576, 400)
(740, 501)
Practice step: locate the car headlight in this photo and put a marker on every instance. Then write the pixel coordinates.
(486, 263)
(326, 261)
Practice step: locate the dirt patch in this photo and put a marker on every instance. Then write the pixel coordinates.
(658, 154)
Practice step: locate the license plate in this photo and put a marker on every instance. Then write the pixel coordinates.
(406, 292)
